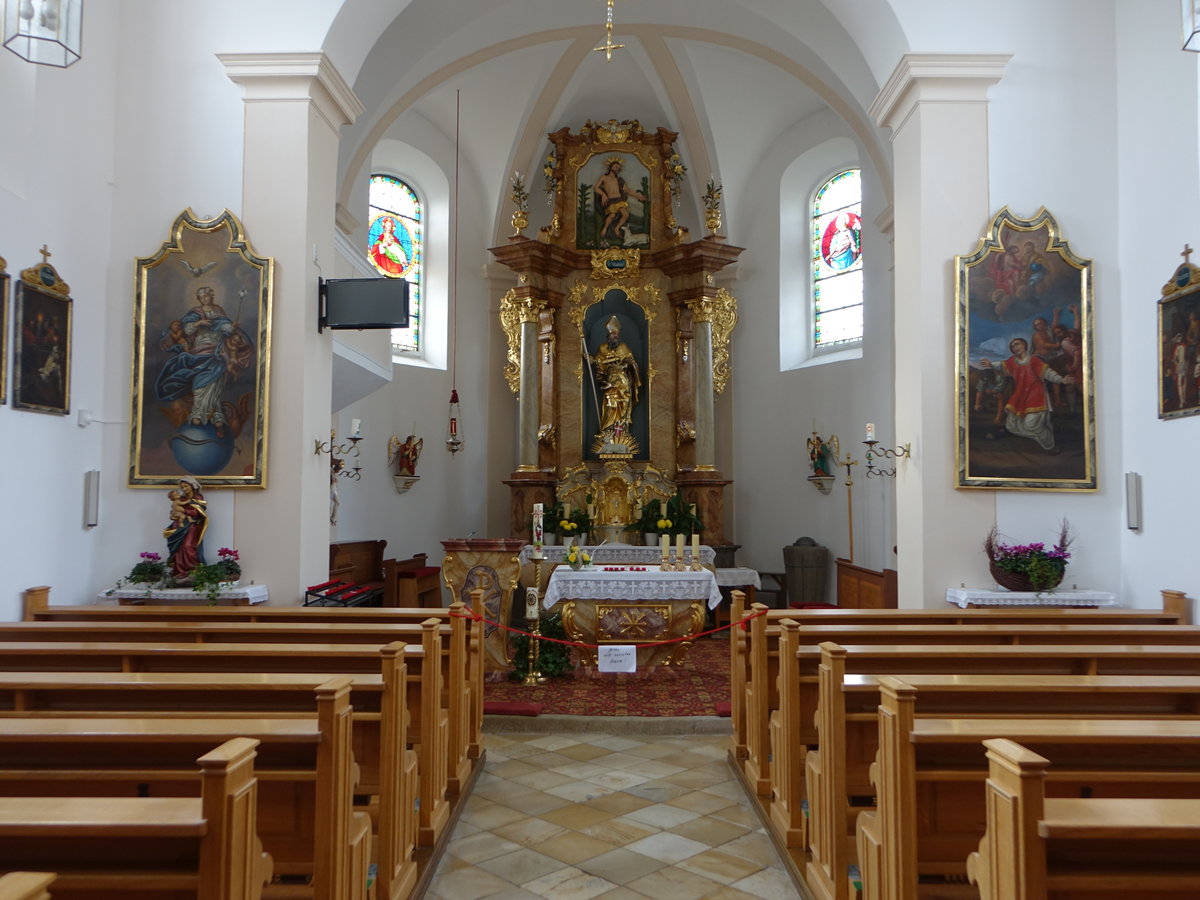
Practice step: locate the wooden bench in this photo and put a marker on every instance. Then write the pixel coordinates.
(412, 583)
(761, 697)
(205, 847)
(837, 780)
(930, 773)
(305, 771)
(752, 648)
(430, 726)
(26, 885)
(387, 771)
(464, 682)
(1038, 848)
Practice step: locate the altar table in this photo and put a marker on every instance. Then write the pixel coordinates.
(242, 595)
(632, 607)
(617, 554)
(965, 597)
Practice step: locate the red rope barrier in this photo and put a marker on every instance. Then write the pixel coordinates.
(541, 637)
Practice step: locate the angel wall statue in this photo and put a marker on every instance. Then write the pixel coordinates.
(405, 454)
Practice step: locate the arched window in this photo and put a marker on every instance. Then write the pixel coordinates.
(837, 283)
(395, 247)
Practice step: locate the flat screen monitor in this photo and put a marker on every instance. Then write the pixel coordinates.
(362, 303)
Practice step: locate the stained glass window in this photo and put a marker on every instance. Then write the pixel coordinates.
(396, 249)
(837, 262)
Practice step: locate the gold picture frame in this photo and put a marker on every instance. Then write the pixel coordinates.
(42, 341)
(1025, 395)
(1179, 342)
(201, 358)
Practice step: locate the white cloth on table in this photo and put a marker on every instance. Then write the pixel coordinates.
(596, 584)
(964, 597)
(613, 554)
(738, 576)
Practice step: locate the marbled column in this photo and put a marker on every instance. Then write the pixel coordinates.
(706, 455)
(528, 405)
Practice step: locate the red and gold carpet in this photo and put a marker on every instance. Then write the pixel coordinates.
(694, 689)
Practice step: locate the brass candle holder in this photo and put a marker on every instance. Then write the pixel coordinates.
(533, 675)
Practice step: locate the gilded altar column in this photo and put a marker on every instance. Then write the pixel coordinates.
(713, 318)
(524, 374)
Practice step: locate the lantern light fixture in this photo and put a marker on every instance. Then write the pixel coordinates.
(44, 32)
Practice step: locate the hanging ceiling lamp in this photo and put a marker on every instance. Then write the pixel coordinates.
(454, 441)
(45, 32)
(1191, 25)
(608, 46)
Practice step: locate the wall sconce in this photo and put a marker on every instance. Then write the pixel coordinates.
(1190, 10)
(336, 451)
(822, 454)
(874, 453)
(45, 32)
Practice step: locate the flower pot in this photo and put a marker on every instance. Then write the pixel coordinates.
(1019, 581)
(549, 539)
(650, 538)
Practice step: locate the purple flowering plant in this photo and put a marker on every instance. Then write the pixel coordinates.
(150, 567)
(1043, 567)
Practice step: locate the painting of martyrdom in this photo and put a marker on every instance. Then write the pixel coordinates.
(42, 364)
(201, 343)
(612, 202)
(1179, 342)
(1025, 396)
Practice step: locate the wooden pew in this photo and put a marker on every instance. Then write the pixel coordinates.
(205, 847)
(412, 583)
(387, 770)
(930, 773)
(26, 885)
(466, 683)
(745, 653)
(849, 731)
(761, 698)
(459, 695)
(430, 726)
(1040, 848)
(304, 767)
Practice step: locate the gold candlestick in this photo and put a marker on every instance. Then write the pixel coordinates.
(533, 675)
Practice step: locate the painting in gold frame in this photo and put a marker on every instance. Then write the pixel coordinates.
(42, 341)
(201, 357)
(1025, 396)
(3, 331)
(1179, 342)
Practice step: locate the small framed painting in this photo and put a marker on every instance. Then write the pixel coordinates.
(202, 350)
(1179, 342)
(1025, 400)
(42, 358)
(3, 331)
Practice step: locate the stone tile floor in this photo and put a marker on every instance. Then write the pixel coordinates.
(611, 816)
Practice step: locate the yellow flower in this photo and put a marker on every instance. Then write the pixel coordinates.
(587, 560)
(663, 524)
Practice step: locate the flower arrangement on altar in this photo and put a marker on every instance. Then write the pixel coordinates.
(1028, 567)
(213, 577)
(578, 557)
(680, 517)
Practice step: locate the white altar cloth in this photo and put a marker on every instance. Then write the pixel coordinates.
(614, 554)
(653, 584)
(964, 597)
(738, 576)
(242, 595)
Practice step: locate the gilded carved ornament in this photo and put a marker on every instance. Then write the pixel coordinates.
(514, 313)
(684, 431)
(617, 262)
(547, 435)
(721, 312)
(647, 296)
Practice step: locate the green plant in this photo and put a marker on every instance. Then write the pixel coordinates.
(580, 518)
(150, 569)
(1044, 568)
(209, 577)
(647, 522)
(553, 659)
(681, 517)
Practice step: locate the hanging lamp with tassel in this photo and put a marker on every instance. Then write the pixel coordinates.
(454, 441)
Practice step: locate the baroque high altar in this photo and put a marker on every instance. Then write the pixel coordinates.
(618, 335)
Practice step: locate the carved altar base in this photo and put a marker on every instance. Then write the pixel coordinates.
(491, 564)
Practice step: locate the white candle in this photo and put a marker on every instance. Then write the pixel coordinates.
(666, 545)
(695, 547)
(679, 546)
(538, 532)
(870, 431)
(355, 427)
(531, 603)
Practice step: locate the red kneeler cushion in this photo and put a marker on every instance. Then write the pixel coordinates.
(724, 708)
(511, 708)
(812, 606)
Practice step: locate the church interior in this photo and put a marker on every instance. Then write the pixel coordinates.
(622, 237)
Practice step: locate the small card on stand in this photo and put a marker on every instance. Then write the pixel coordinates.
(617, 658)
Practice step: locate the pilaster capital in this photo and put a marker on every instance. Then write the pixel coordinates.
(935, 77)
(310, 77)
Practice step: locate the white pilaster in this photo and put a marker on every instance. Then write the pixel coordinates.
(936, 106)
(295, 104)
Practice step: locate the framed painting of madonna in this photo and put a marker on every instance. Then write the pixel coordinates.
(202, 349)
(1024, 395)
(42, 341)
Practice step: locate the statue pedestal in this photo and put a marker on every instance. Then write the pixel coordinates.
(493, 565)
